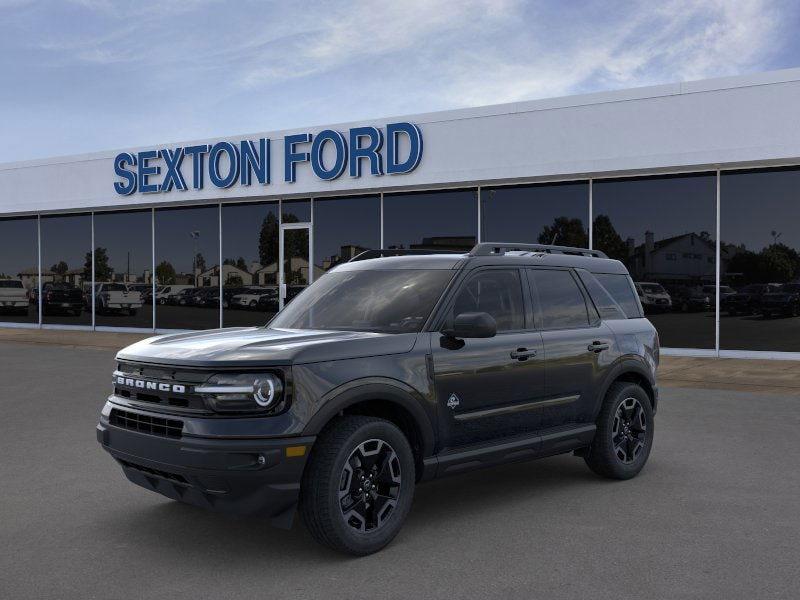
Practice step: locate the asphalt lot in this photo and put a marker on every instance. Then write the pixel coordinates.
(713, 515)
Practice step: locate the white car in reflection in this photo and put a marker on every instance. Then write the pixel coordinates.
(13, 296)
(249, 299)
(653, 296)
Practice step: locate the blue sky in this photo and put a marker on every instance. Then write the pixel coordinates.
(87, 75)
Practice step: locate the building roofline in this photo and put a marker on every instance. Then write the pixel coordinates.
(716, 84)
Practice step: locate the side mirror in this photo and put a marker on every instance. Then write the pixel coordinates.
(472, 325)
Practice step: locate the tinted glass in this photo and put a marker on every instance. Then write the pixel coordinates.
(661, 228)
(431, 221)
(19, 270)
(123, 267)
(621, 290)
(343, 228)
(559, 298)
(67, 269)
(760, 250)
(537, 214)
(396, 301)
(607, 307)
(496, 292)
(249, 263)
(296, 211)
(187, 255)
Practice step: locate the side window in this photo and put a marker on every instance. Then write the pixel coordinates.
(560, 299)
(605, 304)
(619, 286)
(497, 292)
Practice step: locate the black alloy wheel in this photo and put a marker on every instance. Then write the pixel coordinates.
(370, 485)
(629, 433)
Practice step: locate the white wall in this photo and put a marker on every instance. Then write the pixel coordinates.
(730, 121)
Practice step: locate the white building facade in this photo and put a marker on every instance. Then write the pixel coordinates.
(692, 185)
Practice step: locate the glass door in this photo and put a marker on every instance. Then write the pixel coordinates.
(295, 273)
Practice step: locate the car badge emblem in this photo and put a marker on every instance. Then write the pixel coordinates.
(453, 401)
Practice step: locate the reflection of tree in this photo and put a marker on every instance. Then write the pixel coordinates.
(234, 280)
(102, 270)
(165, 273)
(606, 238)
(565, 232)
(200, 262)
(777, 263)
(268, 240)
(60, 268)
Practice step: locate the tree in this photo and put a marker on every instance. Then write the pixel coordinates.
(565, 232)
(60, 268)
(102, 270)
(241, 263)
(268, 240)
(234, 280)
(200, 262)
(608, 240)
(165, 273)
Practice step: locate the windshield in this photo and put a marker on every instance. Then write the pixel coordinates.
(395, 301)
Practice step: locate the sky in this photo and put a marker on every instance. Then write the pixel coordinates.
(88, 75)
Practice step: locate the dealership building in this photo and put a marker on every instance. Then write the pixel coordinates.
(694, 186)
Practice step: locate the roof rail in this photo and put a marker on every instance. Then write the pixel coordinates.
(495, 248)
(367, 254)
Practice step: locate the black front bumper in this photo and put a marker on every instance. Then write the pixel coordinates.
(254, 477)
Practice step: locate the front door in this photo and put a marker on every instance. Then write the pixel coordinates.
(295, 269)
(488, 388)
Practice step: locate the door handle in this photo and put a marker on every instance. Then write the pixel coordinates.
(597, 346)
(522, 354)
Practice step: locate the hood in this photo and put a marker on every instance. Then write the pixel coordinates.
(259, 346)
(777, 296)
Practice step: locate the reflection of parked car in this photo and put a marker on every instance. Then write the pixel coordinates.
(268, 303)
(747, 301)
(183, 297)
(784, 301)
(724, 292)
(228, 293)
(207, 297)
(163, 294)
(690, 299)
(61, 297)
(144, 289)
(116, 297)
(250, 297)
(653, 296)
(13, 296)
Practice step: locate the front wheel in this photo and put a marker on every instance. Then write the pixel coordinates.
(358, 486)
(624, 434)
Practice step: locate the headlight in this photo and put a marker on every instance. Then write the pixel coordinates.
(242, 392)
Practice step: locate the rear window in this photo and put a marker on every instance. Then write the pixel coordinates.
(5, 283)
(620, 288)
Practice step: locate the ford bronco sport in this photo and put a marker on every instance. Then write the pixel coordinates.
(388, 371)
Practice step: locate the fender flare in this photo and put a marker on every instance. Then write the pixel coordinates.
(375, 388)
(626, 364)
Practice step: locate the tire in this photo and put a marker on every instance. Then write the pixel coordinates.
(335, 463)
(603, 456)
(253, 304)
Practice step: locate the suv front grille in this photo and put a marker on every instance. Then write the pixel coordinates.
(170, 428)
(143, 383)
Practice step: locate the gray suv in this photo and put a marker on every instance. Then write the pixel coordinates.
(392, 369)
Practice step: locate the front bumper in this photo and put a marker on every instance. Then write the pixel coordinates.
(253, 477)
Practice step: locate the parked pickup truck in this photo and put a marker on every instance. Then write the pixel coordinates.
(61, 298)
(116, 297)
(13, 296)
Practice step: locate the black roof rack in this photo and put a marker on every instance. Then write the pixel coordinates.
(498, 249)
(367, 254)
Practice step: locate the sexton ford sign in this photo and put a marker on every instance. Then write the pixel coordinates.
(330, 153)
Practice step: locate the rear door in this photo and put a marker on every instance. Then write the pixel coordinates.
(486, 388)
(579, 348)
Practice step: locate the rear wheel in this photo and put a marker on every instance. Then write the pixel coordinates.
(624, 435)
(358, 486)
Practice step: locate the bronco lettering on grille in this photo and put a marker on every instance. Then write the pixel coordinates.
(143, 384)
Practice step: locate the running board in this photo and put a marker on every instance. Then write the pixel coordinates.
(543, 443)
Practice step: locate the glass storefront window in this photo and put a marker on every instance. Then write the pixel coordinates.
(446, 220)
(296, 211)
(19, 270)
(343, 228)
(555, 213)
(67, 269)
(661, 228)
(760, 260)
(249, 263)
(123, 267)
(187, 270)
